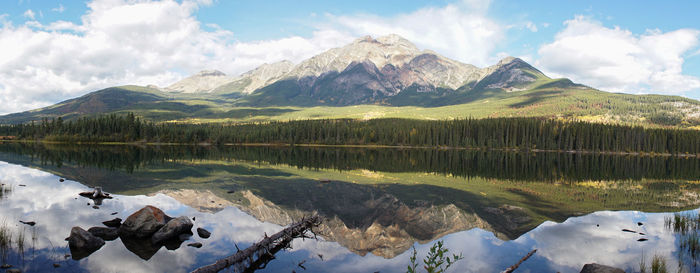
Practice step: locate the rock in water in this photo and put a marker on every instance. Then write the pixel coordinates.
(5, 266)
(13, 270)
(115, 223)
(144, 222)
(106, 233)
(203, 233)
(172, 229)
(83, 243)
(599, 268)
(141, 247)
(30, 223)
(196, 245)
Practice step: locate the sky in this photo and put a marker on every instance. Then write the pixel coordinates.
(51, 51)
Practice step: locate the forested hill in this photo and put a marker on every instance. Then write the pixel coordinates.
(490, 133)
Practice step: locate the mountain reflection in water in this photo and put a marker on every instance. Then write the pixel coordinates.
(375, 210)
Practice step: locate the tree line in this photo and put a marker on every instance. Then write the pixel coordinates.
(494, 133)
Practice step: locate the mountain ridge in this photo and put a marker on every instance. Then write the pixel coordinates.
(373, 73)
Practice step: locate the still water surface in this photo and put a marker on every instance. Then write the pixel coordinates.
(493, 207)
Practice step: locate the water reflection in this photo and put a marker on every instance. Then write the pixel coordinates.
(374, 213)
(521, 166)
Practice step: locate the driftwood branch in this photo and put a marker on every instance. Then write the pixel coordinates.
(248, 257)
(515, 266)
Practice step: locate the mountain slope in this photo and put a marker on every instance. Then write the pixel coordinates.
(369, 78)
(103, 101)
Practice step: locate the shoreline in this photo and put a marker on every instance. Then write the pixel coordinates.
(366, 146)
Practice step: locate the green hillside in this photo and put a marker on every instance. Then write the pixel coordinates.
(546, 99)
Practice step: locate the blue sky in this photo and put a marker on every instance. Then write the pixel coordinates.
(55, 50)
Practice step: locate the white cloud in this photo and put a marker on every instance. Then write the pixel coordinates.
(122, 42)
(59, 9)
(145, 42)
(29, 14)
(462, 31)
(531, 26)
(616, 59)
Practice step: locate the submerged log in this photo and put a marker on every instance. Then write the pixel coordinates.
(515, 266)
(97, 193)
(246, 258)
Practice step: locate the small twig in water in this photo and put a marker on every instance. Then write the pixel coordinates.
(515, 266)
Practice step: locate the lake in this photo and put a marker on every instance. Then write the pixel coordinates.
(377, 204)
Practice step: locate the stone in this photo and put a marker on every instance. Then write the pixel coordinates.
(106, 233)
(115, 223)
(30, 223)
(5, 266)
(143, 223)
(173, 229)
(13, 270)
(56, 265)
(203, 233)
(97, 193)
(61, 180)
(599, 268)
(196, 245)
(83, 243)
(141, 247)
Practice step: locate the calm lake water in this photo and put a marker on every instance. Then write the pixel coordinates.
(493, 207)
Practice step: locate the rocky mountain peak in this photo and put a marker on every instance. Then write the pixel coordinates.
(508, 60)
(210, 73)
(202, 82)
(391, 40)
(385, 50)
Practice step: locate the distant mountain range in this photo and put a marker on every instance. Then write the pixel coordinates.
(372, 78)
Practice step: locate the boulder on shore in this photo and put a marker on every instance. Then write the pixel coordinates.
(599, 268)
(143, 223)
(106, 233)
(173, 229)
(83, 243)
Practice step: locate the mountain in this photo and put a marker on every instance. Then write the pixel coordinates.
(386, 76)
(373, 71)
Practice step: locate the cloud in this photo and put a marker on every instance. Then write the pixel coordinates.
(120, 42)
(29, 14)
(616, 59)
(462, 31)
(531, 26)
(59, 9)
